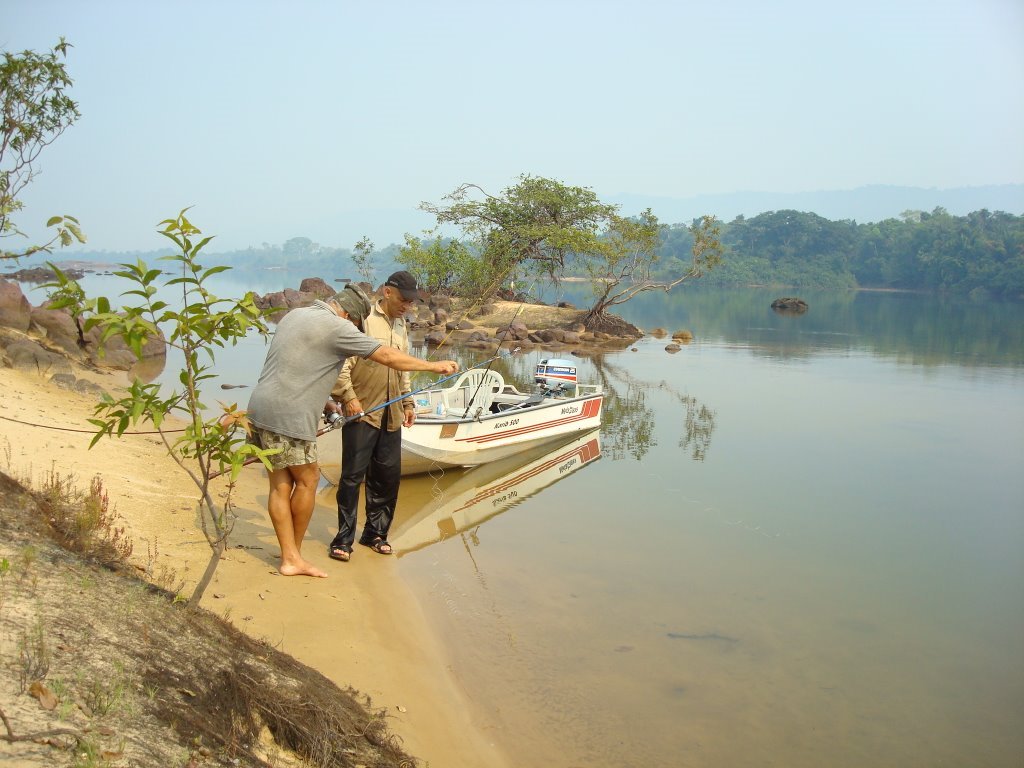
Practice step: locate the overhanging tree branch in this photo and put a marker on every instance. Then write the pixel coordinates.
(34, 110)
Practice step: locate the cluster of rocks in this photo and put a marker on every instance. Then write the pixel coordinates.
(679, 339)
(47, 341)
(310, 289)
(433, 321)
(465, 333)
(42, 274)
(789, 305)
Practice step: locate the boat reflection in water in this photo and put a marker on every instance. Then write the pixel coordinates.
(471, 497)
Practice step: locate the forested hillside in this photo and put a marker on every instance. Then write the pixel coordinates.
(982, 252)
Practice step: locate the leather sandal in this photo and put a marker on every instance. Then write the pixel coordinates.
(340, 552)
(378, 545)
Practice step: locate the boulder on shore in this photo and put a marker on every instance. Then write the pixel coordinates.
(317, 287)
(28, 355)
(14, 307)
(54, 332)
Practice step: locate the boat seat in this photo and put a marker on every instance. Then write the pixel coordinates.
(475, 389)
(535, 399)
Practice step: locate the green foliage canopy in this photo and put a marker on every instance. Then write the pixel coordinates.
(542, 228)
(980, 253)
(36, 110)
(442, 266)
(362, 257)
(531, 229)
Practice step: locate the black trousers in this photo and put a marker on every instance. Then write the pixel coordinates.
(373, 455)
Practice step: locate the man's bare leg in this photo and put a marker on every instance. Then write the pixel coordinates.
(306, 478)
(290, 504)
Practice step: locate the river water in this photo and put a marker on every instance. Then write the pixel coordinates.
(799, 541)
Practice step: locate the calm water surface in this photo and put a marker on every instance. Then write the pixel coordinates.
(801, 544)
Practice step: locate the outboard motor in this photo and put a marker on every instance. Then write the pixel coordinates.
(556, 376)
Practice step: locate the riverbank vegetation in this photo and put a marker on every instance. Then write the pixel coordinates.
(541, 229)
(981, 253)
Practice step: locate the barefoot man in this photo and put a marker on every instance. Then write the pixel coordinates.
(309, 348)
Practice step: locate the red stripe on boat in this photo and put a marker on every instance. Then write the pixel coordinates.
(590, 409)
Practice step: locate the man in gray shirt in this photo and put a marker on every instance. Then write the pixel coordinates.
(309, 348)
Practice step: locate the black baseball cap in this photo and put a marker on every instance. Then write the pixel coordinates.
(406, 285)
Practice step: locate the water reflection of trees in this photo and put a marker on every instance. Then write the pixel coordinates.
(628, 418)
(628, 423)
(700, 424)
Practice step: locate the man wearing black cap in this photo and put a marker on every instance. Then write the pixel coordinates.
(371, 448)
(310, 347)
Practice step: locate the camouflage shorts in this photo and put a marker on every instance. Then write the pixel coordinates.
(293, 452)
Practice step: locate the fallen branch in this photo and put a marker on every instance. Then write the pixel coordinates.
(11, 738)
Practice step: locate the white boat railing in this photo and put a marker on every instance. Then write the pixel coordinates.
(473, 394)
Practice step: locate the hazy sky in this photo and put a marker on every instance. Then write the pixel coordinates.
(332, 120)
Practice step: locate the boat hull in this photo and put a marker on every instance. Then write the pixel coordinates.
(438, 442)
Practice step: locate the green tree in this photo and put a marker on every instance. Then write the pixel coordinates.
(36, 110)
(623, 269)
(442, 267)
(542, 228)
(531, 229)
(362, 257)
(206, 447)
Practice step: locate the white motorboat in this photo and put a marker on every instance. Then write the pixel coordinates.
(476, 495)
(480, 418)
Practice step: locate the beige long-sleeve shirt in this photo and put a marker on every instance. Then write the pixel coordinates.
(372, 383)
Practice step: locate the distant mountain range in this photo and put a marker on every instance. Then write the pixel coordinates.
(863, 204)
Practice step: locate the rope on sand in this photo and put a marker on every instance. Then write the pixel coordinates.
(88, 431)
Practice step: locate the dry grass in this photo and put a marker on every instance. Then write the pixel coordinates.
(101, 668)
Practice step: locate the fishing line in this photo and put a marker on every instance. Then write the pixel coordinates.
(465, 313)
(88, 431)
(504, 335)
(436, 474)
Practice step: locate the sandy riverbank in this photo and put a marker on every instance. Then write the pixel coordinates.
(361, 627)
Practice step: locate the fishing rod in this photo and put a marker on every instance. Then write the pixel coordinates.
(505, 334)
(336, 420)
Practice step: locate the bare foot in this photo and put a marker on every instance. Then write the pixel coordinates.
(301, 568)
